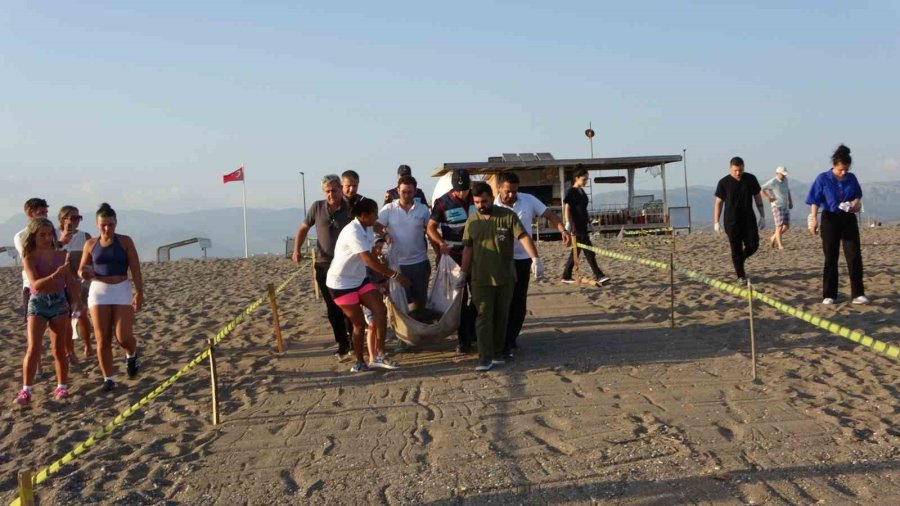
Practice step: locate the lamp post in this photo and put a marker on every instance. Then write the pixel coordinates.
(687, 200)
(303, 183)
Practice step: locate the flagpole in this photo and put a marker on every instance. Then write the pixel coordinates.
(244, 193)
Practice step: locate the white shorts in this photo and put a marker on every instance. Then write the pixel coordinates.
(109, 294)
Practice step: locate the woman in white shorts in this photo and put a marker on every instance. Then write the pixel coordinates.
(107, 261)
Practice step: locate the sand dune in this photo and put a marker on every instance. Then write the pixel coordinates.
(603, 403)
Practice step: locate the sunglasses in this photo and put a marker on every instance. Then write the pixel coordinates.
(331, 219)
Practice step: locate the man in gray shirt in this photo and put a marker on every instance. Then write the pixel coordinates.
(328, 216)
(777, 192)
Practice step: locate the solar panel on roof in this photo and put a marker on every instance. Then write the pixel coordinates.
(545, 156)
(511, 157)
(527, 157)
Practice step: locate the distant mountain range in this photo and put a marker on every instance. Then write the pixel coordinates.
(268, 228)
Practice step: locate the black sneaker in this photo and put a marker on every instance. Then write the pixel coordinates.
(463, 348)
(343, 352)
(108, 385)
(131, 366)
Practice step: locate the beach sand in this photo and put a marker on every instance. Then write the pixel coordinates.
(604, 402)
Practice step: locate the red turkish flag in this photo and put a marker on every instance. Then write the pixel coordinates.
(237, 175)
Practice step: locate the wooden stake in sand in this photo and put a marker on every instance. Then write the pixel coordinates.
(312, 270)
(26, 489)
(752, 333)
(214, 382)
(575, 253)
(672, 290)
(279, 344)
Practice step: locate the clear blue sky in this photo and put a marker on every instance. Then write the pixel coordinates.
(146, 106)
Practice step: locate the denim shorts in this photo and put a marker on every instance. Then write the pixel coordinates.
(48, 305)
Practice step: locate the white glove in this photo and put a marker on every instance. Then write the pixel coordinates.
(762, 222)
(845, 206)
(811, 224)
(717, 228)
(568, 228)
(537, 268)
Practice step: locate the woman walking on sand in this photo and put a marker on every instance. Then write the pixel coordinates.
(838, 194)
(352, 289)
(106, 261)
(72, 241)
(49, 276)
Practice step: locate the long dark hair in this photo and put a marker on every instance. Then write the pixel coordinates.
(841, 155)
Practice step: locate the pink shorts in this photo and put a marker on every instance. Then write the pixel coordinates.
(350, 297)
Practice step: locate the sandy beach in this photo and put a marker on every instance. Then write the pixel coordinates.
(603, 403)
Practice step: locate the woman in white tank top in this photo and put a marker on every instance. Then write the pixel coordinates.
(72, 240)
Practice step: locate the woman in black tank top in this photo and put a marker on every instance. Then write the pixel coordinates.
(111, 300)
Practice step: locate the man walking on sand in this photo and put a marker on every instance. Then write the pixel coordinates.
(329, 216)
(445, 229)
(777, 192)
(405, 220)
(738, 191)
(489, 267)
(528, 208)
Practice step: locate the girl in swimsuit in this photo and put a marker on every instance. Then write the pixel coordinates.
(107, 260)
(48, 272)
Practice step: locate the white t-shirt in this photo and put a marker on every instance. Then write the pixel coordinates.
(407, 228)
(778, 190)
(347, 269)
(76, 243)
(527, 207)
(19, 242)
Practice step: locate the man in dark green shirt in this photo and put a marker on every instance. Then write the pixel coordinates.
(488, 264)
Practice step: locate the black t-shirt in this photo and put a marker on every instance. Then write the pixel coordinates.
(578, 203)
(738, 197)
(392, 195)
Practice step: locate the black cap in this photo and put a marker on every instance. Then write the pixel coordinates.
(461, 180)
(404, 170)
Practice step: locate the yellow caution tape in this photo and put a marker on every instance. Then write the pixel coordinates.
(162, 387)
(853, 335)
(648, 231)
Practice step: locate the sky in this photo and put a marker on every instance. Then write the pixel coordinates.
(146, 105)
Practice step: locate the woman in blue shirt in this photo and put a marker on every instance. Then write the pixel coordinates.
(837, 193)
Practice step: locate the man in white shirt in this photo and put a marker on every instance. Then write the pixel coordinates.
(405, 221)
(528, 208)
(34, 208)
(777, 192)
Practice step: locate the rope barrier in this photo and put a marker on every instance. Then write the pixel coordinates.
(832, 327)
(53, 468)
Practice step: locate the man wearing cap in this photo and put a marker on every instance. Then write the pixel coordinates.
(737, 193)
(393, 193)
(33, 208)
(777, 192)
(445, 229)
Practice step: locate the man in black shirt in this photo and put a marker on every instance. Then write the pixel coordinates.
(393, 194)
(738, 191)
(575, 211)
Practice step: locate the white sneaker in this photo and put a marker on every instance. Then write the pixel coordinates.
(568, 281)
(828, 301)
(382, 362)
(862, 299)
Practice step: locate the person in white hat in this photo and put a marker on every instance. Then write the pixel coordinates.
(777, 192)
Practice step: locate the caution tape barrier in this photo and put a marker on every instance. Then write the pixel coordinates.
(648, 231)
(853, 335)
(53, 468)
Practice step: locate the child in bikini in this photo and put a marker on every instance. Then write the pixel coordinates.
(48, 272)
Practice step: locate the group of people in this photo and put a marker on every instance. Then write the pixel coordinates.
(67, 276)
(835, 192)
(488, 237)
